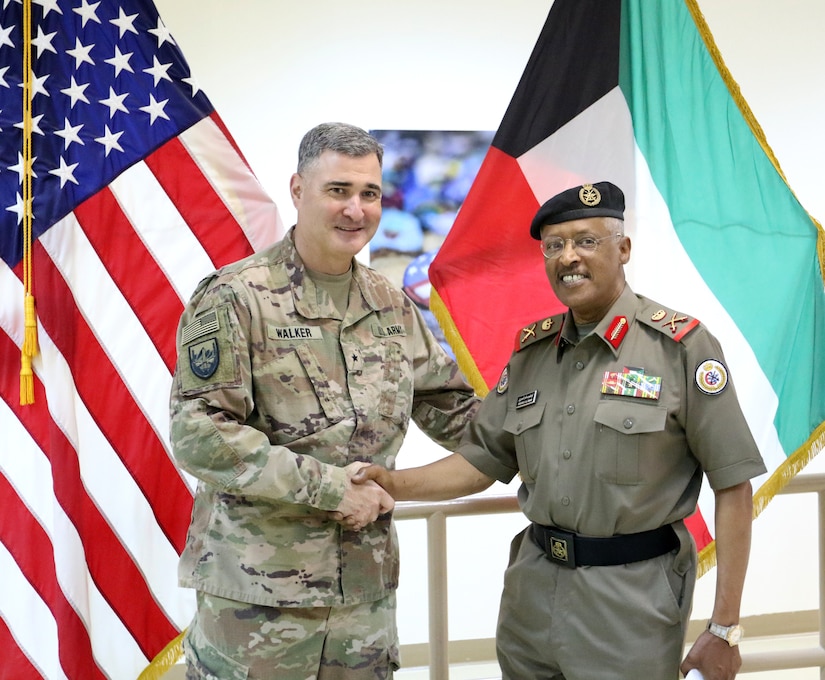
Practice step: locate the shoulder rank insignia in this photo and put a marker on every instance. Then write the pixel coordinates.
(538, 330)
(673, 324)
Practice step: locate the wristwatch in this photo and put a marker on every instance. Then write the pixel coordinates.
(730, 634)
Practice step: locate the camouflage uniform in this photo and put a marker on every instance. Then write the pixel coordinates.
(273, 395)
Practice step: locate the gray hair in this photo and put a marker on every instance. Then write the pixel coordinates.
(615, 225)
(342, 138)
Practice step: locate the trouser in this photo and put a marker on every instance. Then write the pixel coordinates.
(594, 623)
(230, 640)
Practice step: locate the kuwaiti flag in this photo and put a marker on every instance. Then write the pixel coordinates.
(635, 92)
(139, 192)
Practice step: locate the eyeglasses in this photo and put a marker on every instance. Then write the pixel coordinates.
(553, 246)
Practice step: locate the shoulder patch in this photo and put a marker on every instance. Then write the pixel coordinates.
(206, 355)
(547, 327)
(711, 376)
(504, 380)
(675, 325)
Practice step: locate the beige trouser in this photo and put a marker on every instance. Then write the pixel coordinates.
(594, 623)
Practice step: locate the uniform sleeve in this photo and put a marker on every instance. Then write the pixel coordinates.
(443, 400)
(717, 432)
(487, 444)
(212, 398)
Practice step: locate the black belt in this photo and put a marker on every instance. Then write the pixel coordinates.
(571, 550)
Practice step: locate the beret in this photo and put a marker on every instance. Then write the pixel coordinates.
(602, 199)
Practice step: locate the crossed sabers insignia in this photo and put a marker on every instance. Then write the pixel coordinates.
(527, 332)
(674, 320)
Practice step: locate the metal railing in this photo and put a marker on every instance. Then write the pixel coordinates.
(436, 515)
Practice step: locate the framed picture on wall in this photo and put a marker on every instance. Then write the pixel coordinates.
(427, 174)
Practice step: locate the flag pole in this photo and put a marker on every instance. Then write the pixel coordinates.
(29, 349)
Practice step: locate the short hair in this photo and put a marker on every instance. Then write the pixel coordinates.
(342, 138)
(615, 224)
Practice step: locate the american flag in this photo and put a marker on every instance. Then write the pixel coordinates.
(138, 192)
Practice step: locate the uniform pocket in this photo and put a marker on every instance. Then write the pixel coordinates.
(208, 360)
(625, 428)
(523, 424)
(395, 385)
(205, 662)
(329, 393)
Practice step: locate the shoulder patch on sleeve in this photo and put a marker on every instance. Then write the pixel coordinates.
(711, 376)
(206, 358)
(674, 325)
(504, 380)
(547, 327)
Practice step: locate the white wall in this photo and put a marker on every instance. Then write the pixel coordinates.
(273, 69)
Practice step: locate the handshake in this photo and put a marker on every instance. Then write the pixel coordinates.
(366, 496)
(372, 490)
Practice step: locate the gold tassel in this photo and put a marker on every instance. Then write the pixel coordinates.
(26, 380)
(165, 659)
(30, 326)
(29, 349)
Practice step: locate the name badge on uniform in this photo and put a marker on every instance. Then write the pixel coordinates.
(390, 331)
(527, 399)
(295, 333)
(632, 382)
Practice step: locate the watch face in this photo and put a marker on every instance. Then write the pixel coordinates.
(735, 635)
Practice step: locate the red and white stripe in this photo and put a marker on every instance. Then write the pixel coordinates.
(94, 510)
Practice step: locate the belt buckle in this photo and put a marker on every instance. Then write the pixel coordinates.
(561, 547)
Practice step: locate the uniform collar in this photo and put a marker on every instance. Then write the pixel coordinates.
(614, 325)
(304, 290)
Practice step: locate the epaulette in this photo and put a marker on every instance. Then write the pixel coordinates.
(674, 325)
(547, 327)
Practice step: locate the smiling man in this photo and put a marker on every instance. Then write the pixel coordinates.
(610, 414)
(297, 366)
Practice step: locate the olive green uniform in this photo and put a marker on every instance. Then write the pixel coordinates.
(610, 435)
(275, 392)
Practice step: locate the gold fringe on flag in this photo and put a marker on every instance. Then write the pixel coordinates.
(462, 355)
(747, 114)
(816, 442)
(164, 660)
(29, 350)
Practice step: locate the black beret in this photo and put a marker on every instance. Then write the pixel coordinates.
(601, 199)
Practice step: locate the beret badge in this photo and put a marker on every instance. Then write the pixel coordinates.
(589, 195)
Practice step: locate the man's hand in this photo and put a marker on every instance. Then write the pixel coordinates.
(362, 503)
(375, 474)
(441, 480)
(714, 658)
